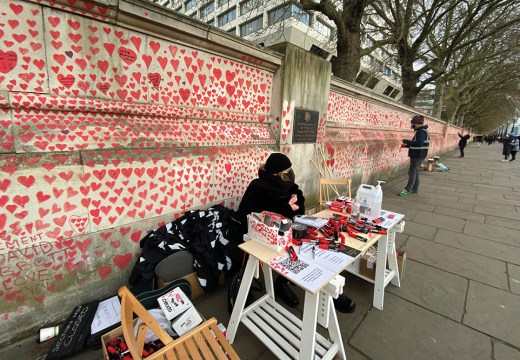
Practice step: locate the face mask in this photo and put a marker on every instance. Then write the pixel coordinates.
(288, 176)
(412, 126)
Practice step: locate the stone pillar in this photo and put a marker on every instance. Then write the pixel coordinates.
(305, 86)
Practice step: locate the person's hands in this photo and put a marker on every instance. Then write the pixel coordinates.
(293, 199)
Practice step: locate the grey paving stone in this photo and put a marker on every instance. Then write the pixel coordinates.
(480, 246)
(434, 289)
(456, 194)
(458, 213)
(406, 331)
(494, 312)
(439, 220)
(492, 232)
(459, 262)
(419, 230)
(408, 202)
(514, 278)
(400, 240)
(513, 197)
(504, 352)
(502, 222)
(493, 206)
(489, 197)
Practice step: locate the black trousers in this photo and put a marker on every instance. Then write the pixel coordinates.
(461, 148)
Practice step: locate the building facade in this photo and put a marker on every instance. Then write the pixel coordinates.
(271, 22)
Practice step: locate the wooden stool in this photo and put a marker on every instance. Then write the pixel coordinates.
(206, 341)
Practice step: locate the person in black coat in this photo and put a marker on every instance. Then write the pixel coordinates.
(462, 143)
(275, 190)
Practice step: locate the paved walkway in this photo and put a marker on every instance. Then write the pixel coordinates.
(460, 298)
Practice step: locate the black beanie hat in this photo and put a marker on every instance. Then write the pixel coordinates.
(418, 119)
(277, 162)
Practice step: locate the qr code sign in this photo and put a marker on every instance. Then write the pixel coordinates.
(293, 266)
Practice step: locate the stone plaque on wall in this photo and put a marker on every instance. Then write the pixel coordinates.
(305, 127)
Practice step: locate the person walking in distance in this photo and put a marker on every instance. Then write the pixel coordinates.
(462, 143)
(275, 190)
(417, 150)
(506, 148)
(514, 145)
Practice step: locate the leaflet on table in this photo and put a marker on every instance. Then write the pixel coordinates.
(391, 218)
(304, 272)
(331, 260)
(311, 221)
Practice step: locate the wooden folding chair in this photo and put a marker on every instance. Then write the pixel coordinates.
(206, 341)
(328, 189)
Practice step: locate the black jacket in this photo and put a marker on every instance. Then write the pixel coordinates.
(463, 140)
(269, 193)
(418, 147)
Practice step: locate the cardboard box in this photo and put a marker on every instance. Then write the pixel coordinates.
(368, 263)
(186, 321)
(174, 303)
(108, 336)
(268, 235)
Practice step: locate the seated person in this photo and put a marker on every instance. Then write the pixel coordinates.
(275, 190)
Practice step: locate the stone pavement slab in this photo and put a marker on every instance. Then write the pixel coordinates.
(504, 352)
(433, 289)
(494, 312)
(439, 221)
(480, 246)
(407, 331)
(459, 262)
(501, 222)
(461, 214)
(493, 206)
(514, 278)
(419, 230)
(492, 232)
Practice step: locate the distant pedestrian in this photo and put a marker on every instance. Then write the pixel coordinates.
(462, 143)
(506, 149)
(417, 151)
(478, 140)
(515, 146)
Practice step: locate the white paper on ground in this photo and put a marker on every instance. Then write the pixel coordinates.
(108, 313)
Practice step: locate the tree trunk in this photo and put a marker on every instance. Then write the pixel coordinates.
(438, 100)
(348, 56)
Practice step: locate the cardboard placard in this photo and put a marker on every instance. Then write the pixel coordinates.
(74, 332)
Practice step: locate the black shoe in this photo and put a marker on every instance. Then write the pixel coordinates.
(344, 304)
(281, 289)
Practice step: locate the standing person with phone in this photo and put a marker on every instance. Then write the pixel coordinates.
(417, 150)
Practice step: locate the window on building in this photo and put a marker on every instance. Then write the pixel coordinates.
(251, 26)
(394, 93)
(367, 59)
(207, 9)
(388, 90)
(387, 71)
(232, 31)
(288, 11)
(227, 17)
(190, 4)
(362, 78)
(222, 2)
(319, 51)
(249, 5)
(372, 82)
(322, 28)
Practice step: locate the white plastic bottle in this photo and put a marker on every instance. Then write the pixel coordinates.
(370, 199)
(378, 200)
